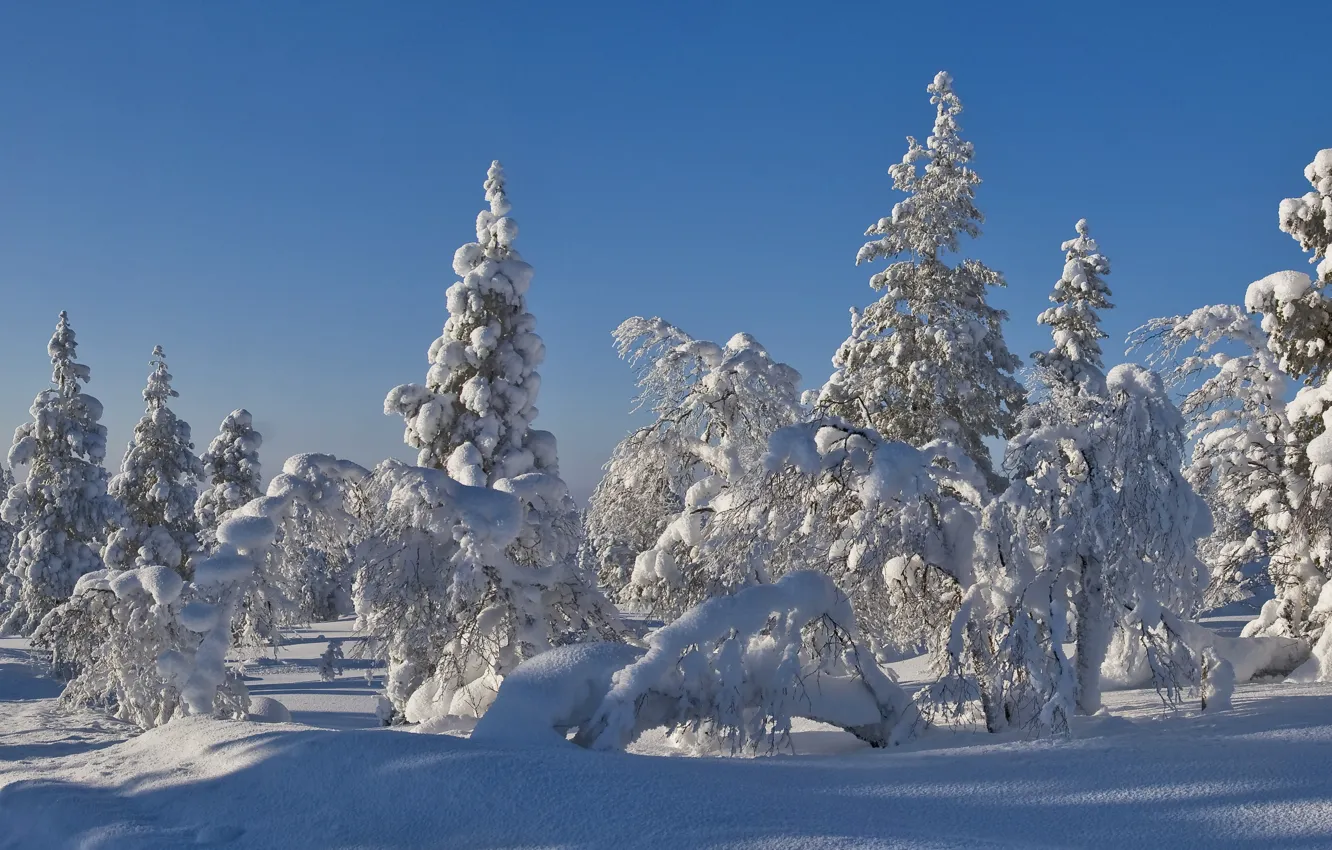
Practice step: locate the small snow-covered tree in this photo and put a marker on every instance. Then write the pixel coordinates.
(1240, 437)
(1074, 322)
(231, 470)
(157, 485)
(716, 406)
(928, 360)
(61, 509)
(473, 415)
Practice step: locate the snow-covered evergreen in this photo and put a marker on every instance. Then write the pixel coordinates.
(716, 406)
(157, 485)
(61, 510)
(473, 415)
(928, 360)
(231, 471)
(1074, 322)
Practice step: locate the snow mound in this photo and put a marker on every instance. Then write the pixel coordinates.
(268, 710)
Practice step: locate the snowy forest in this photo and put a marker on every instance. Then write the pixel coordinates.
(943, 537)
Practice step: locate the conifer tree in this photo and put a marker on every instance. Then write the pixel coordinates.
(62, 509)
(231, 469)
(473, 416)
(157, 485)
(1074, 322)
(928, 360)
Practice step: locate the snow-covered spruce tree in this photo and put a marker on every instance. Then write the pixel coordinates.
(1297, 317)
(157, 485)
(61, 509)
(231, 470)
(450, 614)
(1240, 435)
(716, 406)
(473, 416)
(1117, 523)
(1074, 322)
(928, 360)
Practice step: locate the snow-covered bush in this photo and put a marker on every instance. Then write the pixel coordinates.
(157, 485)
(928, 360)
(106, 640)
(331, 661)
(61, 509)
(716, 406)
(893, 525)
(738, 668)
(231, 470)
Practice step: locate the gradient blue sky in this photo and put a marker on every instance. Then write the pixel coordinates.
(274, 190)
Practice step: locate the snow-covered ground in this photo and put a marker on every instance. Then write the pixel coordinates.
(1255, 776)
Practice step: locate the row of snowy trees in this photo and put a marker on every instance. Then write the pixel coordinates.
(876, 492)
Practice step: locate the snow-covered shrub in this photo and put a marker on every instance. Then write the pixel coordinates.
(737, 667)
(928, 360)
(157, 486)
(231, 470)
(895, 527)
(716, 406)
(106, 639)
(61, 509)
(331, 661)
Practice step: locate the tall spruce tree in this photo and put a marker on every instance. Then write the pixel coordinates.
(928, 360)
(61, 509)
(473, 416)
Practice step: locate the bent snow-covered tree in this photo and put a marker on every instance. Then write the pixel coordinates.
(157, 485)
(473, 415)
(61, 509)
(1074, 322)
(231, 470)
(1240, 437)
(716, 406)
(928, 360)
(1117, 523)
(736, 669)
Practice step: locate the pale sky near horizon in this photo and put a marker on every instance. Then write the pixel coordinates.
(273, 191)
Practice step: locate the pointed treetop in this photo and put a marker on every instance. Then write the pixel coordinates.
(499, 202)
(68, 375)
(159, 388)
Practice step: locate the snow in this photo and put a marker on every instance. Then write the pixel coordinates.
(1247, 777)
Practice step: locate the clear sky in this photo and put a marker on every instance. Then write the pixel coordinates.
(273, 191)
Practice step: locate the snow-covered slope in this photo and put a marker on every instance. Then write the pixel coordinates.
(1251, 777)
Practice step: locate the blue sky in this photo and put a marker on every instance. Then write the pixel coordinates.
(273, 191)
